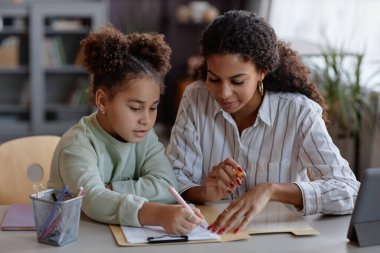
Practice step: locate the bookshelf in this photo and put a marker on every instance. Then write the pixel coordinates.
(42, 83)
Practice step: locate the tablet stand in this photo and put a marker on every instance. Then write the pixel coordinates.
(366, 234)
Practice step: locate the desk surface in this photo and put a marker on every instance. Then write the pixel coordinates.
(96, 237)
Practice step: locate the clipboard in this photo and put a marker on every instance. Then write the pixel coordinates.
(123, 242)
(275, 218)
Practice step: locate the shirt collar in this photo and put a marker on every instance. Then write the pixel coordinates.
(265, 114)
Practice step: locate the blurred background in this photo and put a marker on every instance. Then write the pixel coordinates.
(43, 85)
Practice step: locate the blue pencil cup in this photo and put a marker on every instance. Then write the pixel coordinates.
(57, 223)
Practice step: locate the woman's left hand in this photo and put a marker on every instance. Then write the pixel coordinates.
(241, 211)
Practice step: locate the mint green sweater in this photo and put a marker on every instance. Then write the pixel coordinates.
(88, 156)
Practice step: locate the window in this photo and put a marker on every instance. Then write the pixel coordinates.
(349, 25)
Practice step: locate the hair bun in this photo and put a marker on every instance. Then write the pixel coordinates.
(150, 48)
(105, 50)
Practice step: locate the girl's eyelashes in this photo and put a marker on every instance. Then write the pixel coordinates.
(135, 109)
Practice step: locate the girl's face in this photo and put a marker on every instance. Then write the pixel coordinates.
(233, 82)
(132, 112)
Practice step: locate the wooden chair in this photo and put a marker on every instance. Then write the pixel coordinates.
(24, 162)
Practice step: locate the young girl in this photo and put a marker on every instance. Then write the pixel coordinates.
(252, 129)
(114, 153)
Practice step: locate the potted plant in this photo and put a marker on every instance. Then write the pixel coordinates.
(350, 105)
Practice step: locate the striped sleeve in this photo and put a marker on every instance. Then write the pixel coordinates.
(333, 187)
(184, 150)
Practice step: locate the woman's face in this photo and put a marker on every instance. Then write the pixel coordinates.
(233, 82)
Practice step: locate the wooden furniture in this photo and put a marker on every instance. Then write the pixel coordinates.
(24, 162)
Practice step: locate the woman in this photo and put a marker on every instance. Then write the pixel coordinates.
(252, 130)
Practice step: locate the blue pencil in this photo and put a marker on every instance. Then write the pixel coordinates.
(54, 209)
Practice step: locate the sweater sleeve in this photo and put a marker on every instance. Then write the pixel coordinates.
(78, 167)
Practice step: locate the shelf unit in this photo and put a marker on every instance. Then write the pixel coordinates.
(37, 96)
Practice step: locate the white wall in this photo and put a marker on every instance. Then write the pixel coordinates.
(349, 25)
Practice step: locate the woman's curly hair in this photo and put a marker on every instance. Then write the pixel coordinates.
(114, 58)
(246, 34)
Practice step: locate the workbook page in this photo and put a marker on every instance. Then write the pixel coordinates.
(141, 234)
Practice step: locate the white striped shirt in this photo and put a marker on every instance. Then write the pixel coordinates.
(288, 143)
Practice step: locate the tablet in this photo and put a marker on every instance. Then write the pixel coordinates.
(364, 226)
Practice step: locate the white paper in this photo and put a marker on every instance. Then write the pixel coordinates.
(140, 234)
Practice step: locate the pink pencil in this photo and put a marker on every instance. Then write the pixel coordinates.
(182, 202)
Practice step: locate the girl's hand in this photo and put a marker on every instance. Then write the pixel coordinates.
(223, 179)
(241, 211)
(176, 219)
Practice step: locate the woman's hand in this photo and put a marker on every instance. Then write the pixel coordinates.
(241, 211)
(175, 219)
(223, 179)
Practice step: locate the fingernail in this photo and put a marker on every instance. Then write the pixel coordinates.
(238, 181)
(232, 184)
(241, 172)
(214, 230)
(210, 227)
(222, 231)
(229, 190)
(236, 230)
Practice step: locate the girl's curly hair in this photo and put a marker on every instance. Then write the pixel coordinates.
(113, 57)
(246, 34)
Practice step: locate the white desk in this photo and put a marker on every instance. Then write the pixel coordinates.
(95, 237)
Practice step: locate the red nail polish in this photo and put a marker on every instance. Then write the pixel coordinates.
(222, 231)
(232, 184)
(236, 230)
(240, 169)
(210, 227)
(229, 191)
(214, 230)
(238, 181)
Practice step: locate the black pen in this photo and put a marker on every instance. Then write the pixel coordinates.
(168, 239)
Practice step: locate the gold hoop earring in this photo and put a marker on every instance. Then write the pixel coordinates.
(260, 86)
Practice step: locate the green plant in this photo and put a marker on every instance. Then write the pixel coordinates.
(350, 105)
(338, 76)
